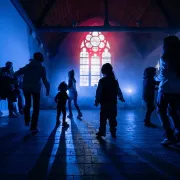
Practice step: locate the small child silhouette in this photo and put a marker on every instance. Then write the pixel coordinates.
(149, 88)
(106, 95)
(61, 99)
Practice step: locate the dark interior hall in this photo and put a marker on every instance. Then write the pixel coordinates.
(83, 35)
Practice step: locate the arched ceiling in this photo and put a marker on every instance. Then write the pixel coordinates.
(128, 13)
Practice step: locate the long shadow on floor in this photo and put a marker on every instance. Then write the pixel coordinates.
(175, 148)
(147, 162)
(98, 170)
(161, 164)
(70, 158)
(80, 146)
(40, 170)
(58, 166)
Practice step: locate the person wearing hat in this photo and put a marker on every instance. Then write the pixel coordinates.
(33, 73)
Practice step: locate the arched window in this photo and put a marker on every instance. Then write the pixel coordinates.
(95, 51)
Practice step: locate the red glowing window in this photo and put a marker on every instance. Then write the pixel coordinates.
(95, 51)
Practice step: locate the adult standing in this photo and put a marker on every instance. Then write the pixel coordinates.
(33, 73)
(169, 89)
(7, 85)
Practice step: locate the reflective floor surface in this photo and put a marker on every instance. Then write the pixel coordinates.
(74, 153)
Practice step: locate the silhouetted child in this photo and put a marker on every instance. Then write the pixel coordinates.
(73, 95)
(149, 87)
(61, 99)
(106, 95)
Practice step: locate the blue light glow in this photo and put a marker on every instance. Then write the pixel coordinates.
(129, 91)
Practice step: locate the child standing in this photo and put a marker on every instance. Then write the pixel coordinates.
(61, 99)
(149, 87)
(106, 95)
(73, 94)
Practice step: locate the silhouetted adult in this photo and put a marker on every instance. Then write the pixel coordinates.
(169, 89)
(7, 86)
(33, 73)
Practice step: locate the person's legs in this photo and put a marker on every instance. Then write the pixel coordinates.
(10, 106)
(162, 105)
(14, 97)
(173, 112)
(77, 107)
(150, 109)
(113, 125)
(36, 106)
(103, 121)
(70, 108)
(58, 115)
(20, 102)
(27, 107)
(64, 116)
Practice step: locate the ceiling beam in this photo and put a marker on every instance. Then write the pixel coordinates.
(165, 13)
(108, 29)
(45, 12)
(106, 13)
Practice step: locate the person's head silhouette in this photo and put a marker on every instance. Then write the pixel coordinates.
(38, 57)
(9, 65)
(71, 74)
(107, 70)
(63, 87)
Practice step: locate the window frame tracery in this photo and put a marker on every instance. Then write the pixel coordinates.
(94, 46)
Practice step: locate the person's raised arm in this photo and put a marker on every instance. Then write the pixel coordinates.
(20, 72)
(120, 95)
(45, 81)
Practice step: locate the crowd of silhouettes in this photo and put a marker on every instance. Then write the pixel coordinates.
(27, 82)
(9, 90)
